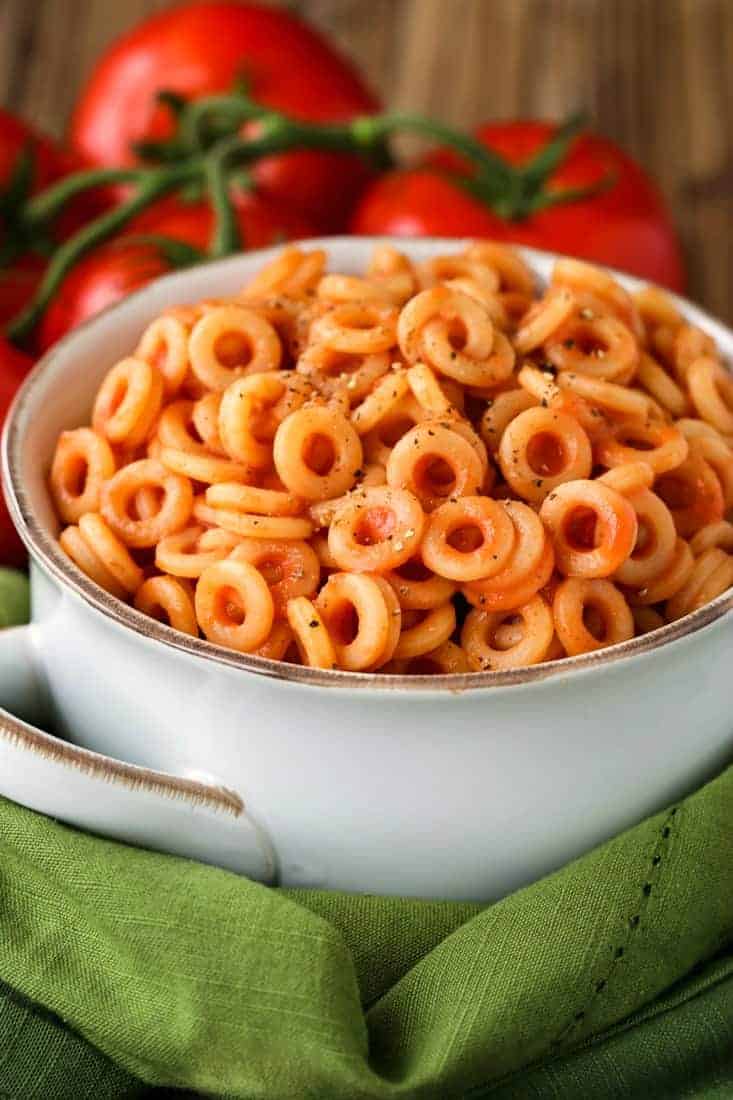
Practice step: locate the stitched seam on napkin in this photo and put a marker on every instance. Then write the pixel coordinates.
(632, 923)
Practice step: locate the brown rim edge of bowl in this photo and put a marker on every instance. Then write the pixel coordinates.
(46, 550)
(131, 776)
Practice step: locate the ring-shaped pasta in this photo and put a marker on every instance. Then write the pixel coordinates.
(203, 467)
(249, 498)
(82, 462)
(630, 478)
(669, 581)
(719, 456)
(492, 301)
(593, 528)
(376, 530)
(76, 547)
(378, 442)
(435, 462)
(174, 429)
(175, 506)
(231, 341)
(447, 659)
(317, 453)
(357, 328)
(468, 539)
(249, 526)
(290, 568)
(251, 411)
(440, 352)
(711, 391)
(188, 552)
(360, 619)
(233, 605)
(482, 648)
(602, 347)
(100, 538)
(428, 392)
(431, 629)
(617, 400)
(647, 619)
(310, 633)
(712, 574)
(661, 386)
(513, 273)
(332, 371)
(489, 596)
(384, 398)
(164, 345)
(541, 449)
(692, 492)
(166, 599)
(205, 419)
(594, 283)
(340, 289)
(292, 272)
(688, 344)
(128, 402)
(441, 269)
(661, 446)
(277, 643)
(570, 607)
(454, 334)
(655, 541)
(501, 411)
(528, 549)
(544, 318)
(655, 307)
(715, 534)
(417, 588)
(322, 512)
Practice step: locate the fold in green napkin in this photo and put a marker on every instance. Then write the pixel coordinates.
(608, 979)
(124, 972)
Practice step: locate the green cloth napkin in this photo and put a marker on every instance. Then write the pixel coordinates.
(124, 972)
(608, 979)
(15, 598)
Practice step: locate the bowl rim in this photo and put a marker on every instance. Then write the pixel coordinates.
(45, 551)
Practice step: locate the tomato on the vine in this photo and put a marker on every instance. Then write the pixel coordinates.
(203, 48)
(261, 221)
(14, 365)
(622, 221)
(127, 263)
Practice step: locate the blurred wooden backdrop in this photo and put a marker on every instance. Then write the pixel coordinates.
(656, 75)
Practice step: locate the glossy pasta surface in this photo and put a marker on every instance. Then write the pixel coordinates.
(428, 468)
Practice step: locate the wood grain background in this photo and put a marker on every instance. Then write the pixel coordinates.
(656, 75)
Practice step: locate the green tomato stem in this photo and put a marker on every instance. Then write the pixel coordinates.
(157, 183)
(44, 207)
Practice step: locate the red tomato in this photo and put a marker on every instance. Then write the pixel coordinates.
(18, 285)
(14, 365)
(625, 225)
(49, 163)
(262, 221)
(203, 48)
(125, 264)
(99, 280)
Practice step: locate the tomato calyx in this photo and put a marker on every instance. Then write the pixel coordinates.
(527, 192)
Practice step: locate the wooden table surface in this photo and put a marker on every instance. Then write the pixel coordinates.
(656, 75)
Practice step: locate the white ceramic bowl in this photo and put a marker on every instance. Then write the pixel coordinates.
(463, 787)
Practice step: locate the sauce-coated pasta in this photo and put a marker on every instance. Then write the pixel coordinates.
(433, 468)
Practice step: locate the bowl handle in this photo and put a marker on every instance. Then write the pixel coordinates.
(132, 804)
(22, 688)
